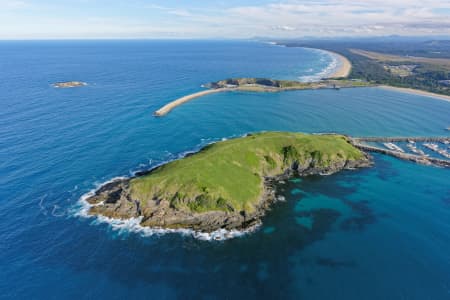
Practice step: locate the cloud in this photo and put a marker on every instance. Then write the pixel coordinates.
(343, 16)
(12, 4)
(283, 28)
(170, 10)
(180, 13)
(231, 19)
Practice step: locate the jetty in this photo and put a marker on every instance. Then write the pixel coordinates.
(361, 143)
(168, 107)
(425, 139)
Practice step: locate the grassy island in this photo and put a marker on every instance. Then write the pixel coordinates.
(228, 184)
(229, 175)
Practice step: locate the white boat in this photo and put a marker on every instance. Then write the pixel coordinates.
(393, 147)
(389, 146)
(431, 146)
(415, 150)
(436, 149)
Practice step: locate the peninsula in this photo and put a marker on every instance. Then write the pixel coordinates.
(335, 80)
(227, 185)
(260, 85)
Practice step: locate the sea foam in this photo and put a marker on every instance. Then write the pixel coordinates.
(133, 224)
(325, 72)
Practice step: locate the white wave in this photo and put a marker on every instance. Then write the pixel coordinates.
(325, 72)
(56, 212)
(134, 224)
(42, 206)
(82, 208)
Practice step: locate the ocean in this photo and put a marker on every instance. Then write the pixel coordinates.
(377, 233)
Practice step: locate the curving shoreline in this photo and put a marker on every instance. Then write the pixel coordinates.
(342, 71)
(344, 68)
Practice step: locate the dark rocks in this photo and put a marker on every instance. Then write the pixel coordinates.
(113, 200)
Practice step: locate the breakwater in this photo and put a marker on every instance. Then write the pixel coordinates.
(168, 107)
(358, 142)
(402, 139)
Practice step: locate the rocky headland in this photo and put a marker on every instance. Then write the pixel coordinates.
(227, 185)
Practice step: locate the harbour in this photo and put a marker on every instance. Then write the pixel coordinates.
(415, 154)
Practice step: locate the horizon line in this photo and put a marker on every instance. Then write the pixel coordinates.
(438, 36)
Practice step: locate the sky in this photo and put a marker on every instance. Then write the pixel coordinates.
(93, 19)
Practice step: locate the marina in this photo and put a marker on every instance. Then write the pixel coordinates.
(423, 150)
(435, 148)
(412, 147)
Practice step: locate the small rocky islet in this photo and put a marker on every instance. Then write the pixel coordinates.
(226, 185)
(69, 84)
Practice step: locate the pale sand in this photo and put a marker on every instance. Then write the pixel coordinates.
(168, 107)
(345, 66)
(416, 92)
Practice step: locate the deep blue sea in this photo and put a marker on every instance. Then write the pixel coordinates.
(378, 233)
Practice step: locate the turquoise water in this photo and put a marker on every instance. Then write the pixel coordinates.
(375, 233)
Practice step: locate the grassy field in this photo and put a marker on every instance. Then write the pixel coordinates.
(439, 63)
(228, 175)
(273, 85)
(258, 82)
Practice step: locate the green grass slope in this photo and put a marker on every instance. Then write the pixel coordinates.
(229, 175)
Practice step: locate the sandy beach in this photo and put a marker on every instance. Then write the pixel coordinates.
(344, 68)
(416, 92)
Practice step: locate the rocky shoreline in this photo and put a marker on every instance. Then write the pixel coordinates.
(113, 200)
